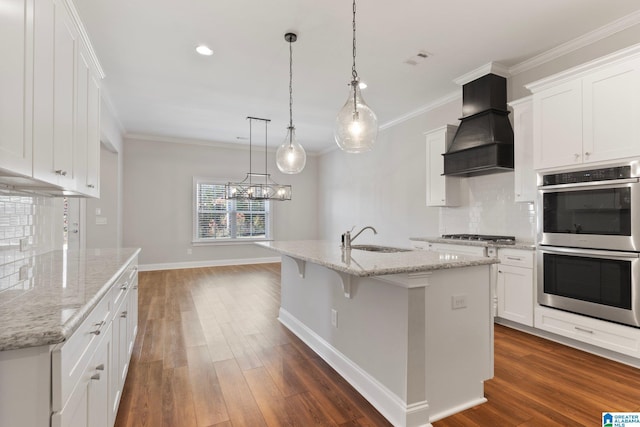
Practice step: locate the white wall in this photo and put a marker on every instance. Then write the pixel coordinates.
(158, 193)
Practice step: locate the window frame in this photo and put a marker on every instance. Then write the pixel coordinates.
(201, 241)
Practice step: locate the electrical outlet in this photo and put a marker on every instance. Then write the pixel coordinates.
(458, 301)
(334, 318)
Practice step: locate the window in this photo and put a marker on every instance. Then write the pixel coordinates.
(217, 219)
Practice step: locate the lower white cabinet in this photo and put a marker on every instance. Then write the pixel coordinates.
(515, 285)
(607, 335)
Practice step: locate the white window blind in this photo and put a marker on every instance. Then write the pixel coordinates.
(218, 219)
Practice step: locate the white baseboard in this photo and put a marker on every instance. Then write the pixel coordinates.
(392, 407)
(207, 263)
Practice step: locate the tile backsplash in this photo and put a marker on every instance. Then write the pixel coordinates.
(27, 219)
(490, 208)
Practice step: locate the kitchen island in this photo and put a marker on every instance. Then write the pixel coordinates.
(412, 331)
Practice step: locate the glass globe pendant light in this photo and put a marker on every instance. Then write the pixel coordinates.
(356, 125)
(291, 157)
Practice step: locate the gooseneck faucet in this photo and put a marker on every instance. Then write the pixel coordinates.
(347, 239)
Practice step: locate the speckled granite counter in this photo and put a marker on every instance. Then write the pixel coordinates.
(531, 246)
(366, 264)
(64, 288)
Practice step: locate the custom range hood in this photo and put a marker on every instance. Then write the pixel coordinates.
(483, 143)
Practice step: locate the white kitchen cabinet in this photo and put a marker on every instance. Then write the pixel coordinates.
(441, 190)
(50, 105)
(87, 148)
(58, 38)
(611, 99)
(557, 126)
(588, 114)
(515, 286)
(525, 184)
(608, 335)
(16, 89)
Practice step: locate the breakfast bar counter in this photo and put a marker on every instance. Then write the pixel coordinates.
(412, 331)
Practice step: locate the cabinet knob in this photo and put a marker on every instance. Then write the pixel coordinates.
(124, 286)
(124, 314)
(577, 156)
(91, 186)
(96, 332)
(100, 367)
(586, 153)
(61, 172)
(95, 376)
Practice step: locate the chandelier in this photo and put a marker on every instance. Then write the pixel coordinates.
(257, 186)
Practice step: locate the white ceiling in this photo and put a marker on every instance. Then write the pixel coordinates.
(159, 86)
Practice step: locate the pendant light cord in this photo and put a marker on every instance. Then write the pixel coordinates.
(354, 73)
(290, 92)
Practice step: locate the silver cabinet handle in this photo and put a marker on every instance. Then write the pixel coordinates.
(99, 325)
(512, 258)
(586, 153)
(61, 172)
(100, 367)
(95, 376)
(577, 328)
(91, 186)
(96, 332)
(124, 286)
(124, 314)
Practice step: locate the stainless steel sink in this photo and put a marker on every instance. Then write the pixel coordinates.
(376, 248)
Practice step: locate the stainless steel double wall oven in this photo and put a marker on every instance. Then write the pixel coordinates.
(589, 242)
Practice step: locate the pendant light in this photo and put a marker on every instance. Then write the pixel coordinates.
(257, 186)
(356, 125)
(290, 156)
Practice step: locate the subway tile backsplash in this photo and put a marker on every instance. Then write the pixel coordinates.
(490, 208)
(27, 218)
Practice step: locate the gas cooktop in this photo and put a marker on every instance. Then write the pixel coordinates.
(481, 238)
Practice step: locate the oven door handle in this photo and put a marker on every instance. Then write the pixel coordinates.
(589, 252)
(590, 184)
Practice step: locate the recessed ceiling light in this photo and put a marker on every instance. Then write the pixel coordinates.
(362, 85)
(204, 50)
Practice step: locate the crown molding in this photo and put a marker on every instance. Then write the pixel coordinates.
(199, 142)
(453, 96)
(84, 36)
(578, 43)
(490, 68)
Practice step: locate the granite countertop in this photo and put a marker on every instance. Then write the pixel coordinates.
(525, 245)
(64, 288)
(366, 264)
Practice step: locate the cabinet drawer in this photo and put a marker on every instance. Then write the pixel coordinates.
(480, 251)
(122, 285)
(70, 360)
(610, 336)
(516, 258)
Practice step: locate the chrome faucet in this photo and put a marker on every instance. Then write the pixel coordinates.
(347, 239)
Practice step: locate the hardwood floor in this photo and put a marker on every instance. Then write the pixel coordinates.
(211, 352)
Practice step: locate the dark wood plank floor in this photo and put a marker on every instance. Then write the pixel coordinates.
(210, 352)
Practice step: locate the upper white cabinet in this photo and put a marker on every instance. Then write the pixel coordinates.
(55, 141)
(16, 89)
(441, 190)
(524, 173)
(589, 113)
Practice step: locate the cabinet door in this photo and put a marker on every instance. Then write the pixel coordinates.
(81, 121)
(524, 174)
(56, 44)
(122, 317)
(16, 75)
(611, 112)
(92, 184)
(98, 390)
(515, 294)
(133, 315)
(441, 190)
(557, 126)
